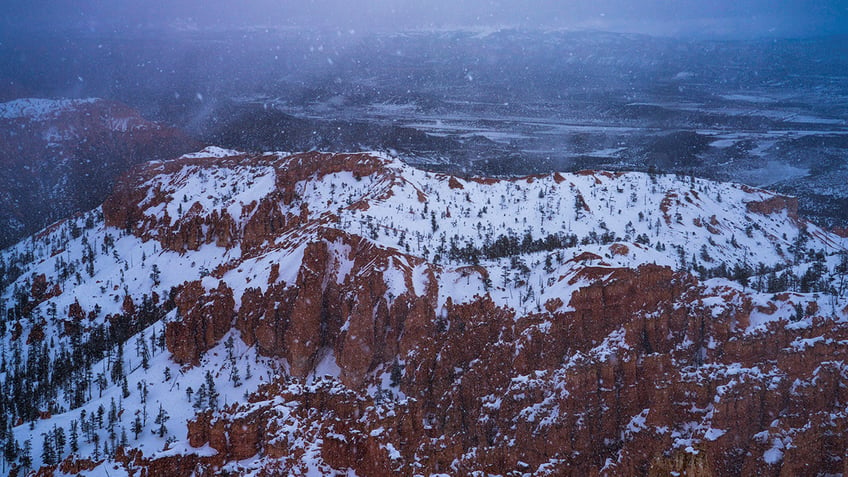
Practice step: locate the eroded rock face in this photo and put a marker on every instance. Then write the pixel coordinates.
(775, 204)
(611, 385)
(328, 311)
(206, 316)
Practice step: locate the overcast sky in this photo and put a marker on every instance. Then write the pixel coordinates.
(717, 18)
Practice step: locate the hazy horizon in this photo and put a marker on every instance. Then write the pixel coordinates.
(722, 19)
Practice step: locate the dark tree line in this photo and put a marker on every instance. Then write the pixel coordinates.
(508, 245)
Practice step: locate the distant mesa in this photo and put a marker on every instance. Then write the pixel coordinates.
(61, 156)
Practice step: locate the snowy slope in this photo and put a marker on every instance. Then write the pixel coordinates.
(527, 244)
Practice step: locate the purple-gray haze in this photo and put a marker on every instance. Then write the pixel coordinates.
(698, 18)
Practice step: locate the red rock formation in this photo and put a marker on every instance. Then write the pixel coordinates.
(322, 303)
(452, 400)
(36, 333)
(266, 223)
(590, 173)
(619, 249)
(586, 257)
(665, 206)
(840, 231)
(75, 311)
(40, 291)
(553, 304)
(774, 205)
(206, 316)
(72, 465)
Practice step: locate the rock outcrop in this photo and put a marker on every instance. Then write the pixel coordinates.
(206, 316)
(775, 204)
(641, 378)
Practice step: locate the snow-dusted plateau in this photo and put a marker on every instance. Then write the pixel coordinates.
(226, 313)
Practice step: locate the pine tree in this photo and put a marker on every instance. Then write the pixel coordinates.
(228, 345)
(59, 440)
(83, 424)
(200, 397)
(160, 340)
(161, 418)
(101, 383)
(548, 264)
(48, 453)
(396, 374)
(113, 413)
(137, 427)
(26, 455)
(11, 449)
(74, 437)
(212, 394)
(118, 364)
(100, 412)
(113, 437)
(234, 376)
(155, 275)
(231, 358)
(142, 351)
(142, 389)
(579, 204)
(841, 271)
(153, 341)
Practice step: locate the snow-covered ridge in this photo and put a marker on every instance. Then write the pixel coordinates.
(68, 116)
(528, 244)
(425, 214)
(211, 151)
(531, 235)
(40, 109)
